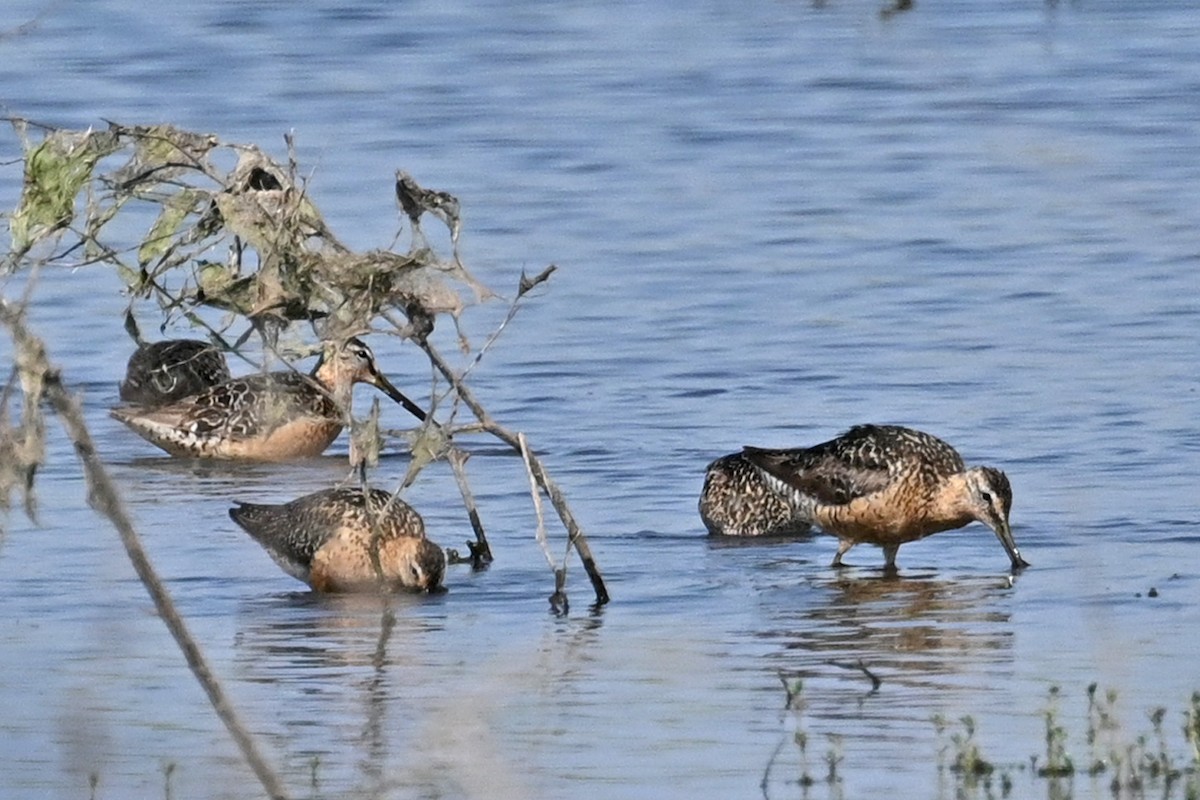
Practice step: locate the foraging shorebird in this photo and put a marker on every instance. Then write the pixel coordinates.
(164, 372)
(736, 501)
(887, 485)
(271, 416)
(344, 540)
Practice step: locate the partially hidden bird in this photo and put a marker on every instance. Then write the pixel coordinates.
(272, 416)
(164, 372)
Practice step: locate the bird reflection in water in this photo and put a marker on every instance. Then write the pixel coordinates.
(339, 658)
(293, 634)
(867, 660)
(909, 630)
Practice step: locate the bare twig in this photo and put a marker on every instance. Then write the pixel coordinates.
(535, 493)
(103, 497)
(876, 682)
(526, 283)
(574, 532)
(794, 690)
(481, 553)
(558, 600)
(523, 287)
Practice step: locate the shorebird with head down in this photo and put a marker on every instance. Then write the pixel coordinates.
(164, 372)
(876, 484)
(346, 540)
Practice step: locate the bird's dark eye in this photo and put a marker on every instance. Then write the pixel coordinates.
(987, 497)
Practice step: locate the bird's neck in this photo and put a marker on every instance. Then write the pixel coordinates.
(950, 504)
(336, 383)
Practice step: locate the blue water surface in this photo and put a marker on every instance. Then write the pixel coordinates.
(771, 221)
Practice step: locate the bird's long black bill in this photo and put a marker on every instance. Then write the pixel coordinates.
(1004, 534)
(391, 391)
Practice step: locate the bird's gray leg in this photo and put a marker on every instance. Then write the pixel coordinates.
(843, 546)
(889, 553)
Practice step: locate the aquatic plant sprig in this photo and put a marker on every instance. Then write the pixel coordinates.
(1191, 727)
(969, 765)
(793, 687)
(1135, 765)
(1058, 762)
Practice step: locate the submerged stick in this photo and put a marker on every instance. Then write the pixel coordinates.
(876, 682)
(558, 600)
(103, 496)
(481, 552)
(535, 494)
(576, 537)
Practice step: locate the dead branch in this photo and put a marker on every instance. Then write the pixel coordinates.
(575, 533)
(858, 665)
(523, 287)
(558, 600)
(284, 265)
(481, 553)
(540, 534)
(102, 495)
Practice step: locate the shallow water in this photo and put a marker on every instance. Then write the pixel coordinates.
(771, 222)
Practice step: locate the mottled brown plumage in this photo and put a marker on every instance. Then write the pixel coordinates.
(736, 501)
(345, 540)
(887, 485)
(271, 416)
(163, 372)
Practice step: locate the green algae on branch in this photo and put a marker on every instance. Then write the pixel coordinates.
(57, 169)
(279, 262)
(285, 262)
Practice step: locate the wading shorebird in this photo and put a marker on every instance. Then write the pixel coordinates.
(271, 416)
(345, 540)
(887, 485)
(736, 501)
(164, 372)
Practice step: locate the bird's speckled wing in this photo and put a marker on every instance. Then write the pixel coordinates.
(824, 475)
(301, 527)
(254, 405)
(289, 542)
(862, 461)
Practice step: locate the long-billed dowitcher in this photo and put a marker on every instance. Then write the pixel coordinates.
(887, 485)
(163, 372)
(270, 416)
(342, 540)
(736, 501)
